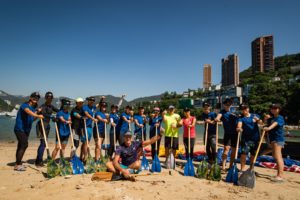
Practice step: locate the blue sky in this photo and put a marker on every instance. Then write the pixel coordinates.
(142, 47)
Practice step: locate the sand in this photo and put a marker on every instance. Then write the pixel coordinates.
(31, 184)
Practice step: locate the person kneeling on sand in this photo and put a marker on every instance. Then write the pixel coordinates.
(126, 160)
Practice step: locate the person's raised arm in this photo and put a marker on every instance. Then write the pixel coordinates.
(151, 140)
(121, 100)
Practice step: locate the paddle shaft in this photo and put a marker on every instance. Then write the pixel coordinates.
(115, 138)
(205, 137)
(189, 142)
(97, 131)
(58, 138)
(156, 140)
(45, 138)
(44, 134)
(71, 134)
(86, 136)
(237, 145)
(258, 148)
(217, 133)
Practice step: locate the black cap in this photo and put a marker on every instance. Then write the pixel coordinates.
(65, 102)
(91, 98)
(227, 101)
(35, 95)
(49, 95)
(276, 106)
(103, 104)
(244, 106)
(114, 106)
(186, 109)
(141, 107)
(205, 104)
(128, 107)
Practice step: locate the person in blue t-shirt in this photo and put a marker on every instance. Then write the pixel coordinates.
(101, 116)
(123, 125)
(155, 124)
(25, 117)
(248, 125)
(140, 121)
(114, 120)
(276, 136)
(229, 120)
(63, 120)
(88, 111)
(209, 120)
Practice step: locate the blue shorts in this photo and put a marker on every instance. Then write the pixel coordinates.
(89, 132)
(63, 139)
(280, 143)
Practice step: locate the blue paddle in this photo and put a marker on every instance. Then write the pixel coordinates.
(189, 167)
(156, 167)
(233, 174)
(145, 163)
(77, 165)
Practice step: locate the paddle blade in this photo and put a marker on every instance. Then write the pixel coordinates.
(156, 167)
(90, 165)
(202, 169)
(215, 172)
(100, 166)
(52, 168)
(170, 162)
(229, 177)
(65, 167)
(77, 165)
(189, 168)
(145, 163)
(247, 178)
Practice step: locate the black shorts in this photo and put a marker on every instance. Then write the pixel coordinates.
(230, 139)
(95, 135)
(249, 147)
(175, 142)
(63, 139)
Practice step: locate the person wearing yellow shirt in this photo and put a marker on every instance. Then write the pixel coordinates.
(172, 123)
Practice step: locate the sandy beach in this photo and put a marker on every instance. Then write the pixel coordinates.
(32, 184)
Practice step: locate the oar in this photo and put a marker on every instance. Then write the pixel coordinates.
(106, 146)
(233, 174)
(202, 169)
(100, 164)
(171, 159)
(145, 163)
(215, 170)
(90, 163)
(247, 178)
(115, 140)
(64, 165)
(52, 167)
(77, 165)
(189, 167)
(156, 167)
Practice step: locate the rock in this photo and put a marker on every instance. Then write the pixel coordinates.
(78, 187)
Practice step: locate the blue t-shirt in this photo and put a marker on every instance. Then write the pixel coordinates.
(129, 154)
(63, 128)
(152, 123)
(91, 111)
(250, 128)
(229, 120)
(100, 123)
(140, 120)
(115, 117)
(277, 133)
(211, 130)
(123, 126)
(23, 120)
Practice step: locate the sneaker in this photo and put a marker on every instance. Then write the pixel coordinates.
(277, 179)
(41, 164)
(19, 168)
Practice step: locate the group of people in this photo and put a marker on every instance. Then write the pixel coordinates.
(92, 119)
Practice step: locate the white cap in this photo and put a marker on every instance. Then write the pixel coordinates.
(79, 99)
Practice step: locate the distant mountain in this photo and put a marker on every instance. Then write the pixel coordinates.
(110, 99)
(147, 99)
